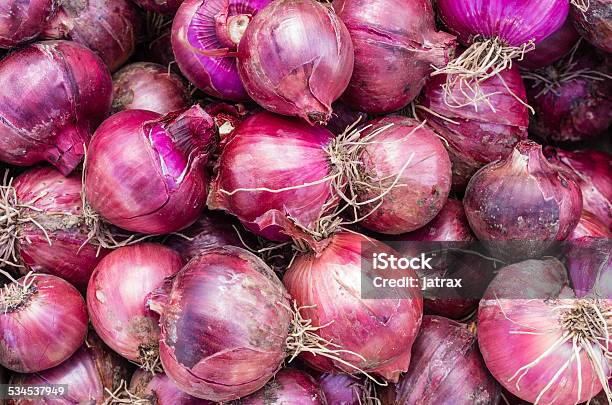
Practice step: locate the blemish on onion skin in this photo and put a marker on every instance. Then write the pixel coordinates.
(100, 296)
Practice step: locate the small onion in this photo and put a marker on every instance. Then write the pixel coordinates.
(159, 6)
(523, 199)
(223, 325)
(328, 287)
(138, 153)
(288, 386)
(159, 389)
(552, 48)
(446, 367)
(296, 58)
(43, 321)
(108, 27)
(407, 164)
(553, 344)
(343, 389)
(595, 23)
(477, 134)
(396, 44)
(21, 21)
(210, 26)
(117, 298)
(54, 94)
(149, 86)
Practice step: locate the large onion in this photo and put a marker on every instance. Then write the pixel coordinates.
(21, 21)
(396, 44)
(289, 386)
(138, 153)
(296, 58)
(595, 23)
(54, 94)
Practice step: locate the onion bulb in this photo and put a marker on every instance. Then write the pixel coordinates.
(22, 21)
(594, 23)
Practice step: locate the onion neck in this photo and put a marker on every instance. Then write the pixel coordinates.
(15, 296)
(230, 29)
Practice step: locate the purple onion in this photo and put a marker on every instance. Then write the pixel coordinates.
(595, 23)
(552, 48)
(22, 21)
(343, 117)
(343, 389)
(289, 386)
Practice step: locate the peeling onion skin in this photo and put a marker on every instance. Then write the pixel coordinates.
(108, 27)
(523, 199)
(380, 330)
(117, 295)
(423, 186)
(58, 204)
(296, 58)
(138, 153)
(483, 135)
(52, 117)
(446, 368)
(207, 25)
(159, 6)
(22, 21)
(523, 297)
(590, 226)
(342, 389)
(595, 25)
(87, 373)
(149, 86)
(395, 45)
(223, 325)
(289, 386)
(552, 48)
(46, 329)
(160, 390)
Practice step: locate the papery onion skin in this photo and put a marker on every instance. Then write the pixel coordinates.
(422, 186)
(238, 295)
(296, 58)
(138, 153)
(21, 21)
(595, 24)
(45, 329)
(395, 45)
(481, 135)
(380, 330)
(523, 199)
(283, 153)
(446, 368)
(58, 208)
(591, 226)
(87, 374)
(211, 25)
(342, 389)
(149, 86)
(589, 265)
(160, 390)
(159, 6)
(289, 386)
(108, 27)
(592, 170)
(117, 295)
(523, 298)
(552, 48)
(52, 117)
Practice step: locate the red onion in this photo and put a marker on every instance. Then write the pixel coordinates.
(522, 199)
(480, 133)
(204, 35)
(592, 170)
(553, 47)
(289, 386)
(595, 23)
(149, 86)
(449, 225)
(396, 44)
(328, 287)
(43, 321)
(571, 98)
(136, 154)
(590, 226)
(408, 172)
(22, 21)
(344, 389)
(50, 118)
(223, 325)
(553, 344)
(446, 367)
(296, 58)
(87, 375)
(116, 299)
(44, 228)
(108, 27)
(158, 389)
(159, 6)
(589, 265)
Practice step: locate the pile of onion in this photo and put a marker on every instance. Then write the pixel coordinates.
(117, 295)
(158, 389)
(108, 27)
(481, 132)
(21, 21)
(396, 44)
(138, 153)
(594, 23)
(149, 86)
(289, 386)
(52, 117)
(555, 346)
(523, 203)
(296, 58)
(446, 367)
(43, 321)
